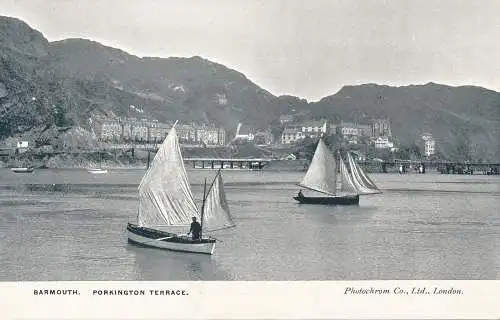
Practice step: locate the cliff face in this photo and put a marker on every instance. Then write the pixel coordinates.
(46, 87)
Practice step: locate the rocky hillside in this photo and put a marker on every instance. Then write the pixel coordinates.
(464, 120)
(67, 82)
(48, 87)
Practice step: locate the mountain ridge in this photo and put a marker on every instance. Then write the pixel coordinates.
(76, 79)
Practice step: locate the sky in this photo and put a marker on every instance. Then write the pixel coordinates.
(307, 48)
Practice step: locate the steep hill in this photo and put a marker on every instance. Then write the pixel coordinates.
(462, 119)
(184, 88)
(83, 79)
(46, 87)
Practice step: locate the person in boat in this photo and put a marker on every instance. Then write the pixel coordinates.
(195, 229)
(301, 195)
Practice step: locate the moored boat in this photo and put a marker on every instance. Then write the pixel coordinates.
(97, 171)
(100, 169)
(22, 169)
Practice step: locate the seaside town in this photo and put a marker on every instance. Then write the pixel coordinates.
(212, 143)
(376, 134)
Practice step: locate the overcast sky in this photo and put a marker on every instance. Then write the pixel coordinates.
(307, 48)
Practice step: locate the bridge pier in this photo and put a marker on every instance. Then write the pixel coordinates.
(384, 167)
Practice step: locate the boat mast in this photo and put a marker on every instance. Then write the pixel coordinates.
(340, 171)
(203, 207)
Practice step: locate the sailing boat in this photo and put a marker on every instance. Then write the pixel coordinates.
(24, 169)
(363, 183)
(28, 169)
(321, 177)
(99, 170)
(166, 205)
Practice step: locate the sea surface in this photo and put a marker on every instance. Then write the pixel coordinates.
(67, 224)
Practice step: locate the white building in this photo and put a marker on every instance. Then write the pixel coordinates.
(429, 145)
(139, 131)
(312, 129)
(354, 129)
(111, 129)
(210, 135)
(292, 135)
(22, 144)
(348, 129)
(381, 128)
(383, 143)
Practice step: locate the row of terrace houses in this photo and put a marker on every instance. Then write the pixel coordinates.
(294, 132)
(352, 129)
(144, 130)
(376, 127)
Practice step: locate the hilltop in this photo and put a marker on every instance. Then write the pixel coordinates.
(52, 89)
(459, 118)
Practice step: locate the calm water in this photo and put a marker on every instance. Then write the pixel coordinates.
(70, 225)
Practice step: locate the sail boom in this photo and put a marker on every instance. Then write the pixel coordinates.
(221, 228)
(318, 190)
(168, 225)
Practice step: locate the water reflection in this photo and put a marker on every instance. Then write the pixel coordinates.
(157, 264)
(70, 225)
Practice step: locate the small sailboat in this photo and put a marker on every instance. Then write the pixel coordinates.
(99, 170)
(22, 169)
(360, 179)
(321, 177)
(167, 206)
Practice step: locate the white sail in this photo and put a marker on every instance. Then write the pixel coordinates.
(364, 184)
(216, 214)
(347, 185)
(165, 196)
(321, 175)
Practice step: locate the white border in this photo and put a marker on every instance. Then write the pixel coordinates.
(251, 300)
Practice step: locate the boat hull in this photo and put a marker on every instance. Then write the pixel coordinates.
(169, 241)
(338, 200)
(97, 171)
(22, 170)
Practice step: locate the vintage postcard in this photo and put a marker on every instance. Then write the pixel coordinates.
(232, 159)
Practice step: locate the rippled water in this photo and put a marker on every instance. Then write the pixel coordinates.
(70, 225)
